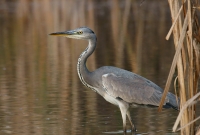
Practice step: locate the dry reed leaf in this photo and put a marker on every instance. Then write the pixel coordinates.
(197, 7)
(176, 56)
(172, 27)
(188, 103)
(188, 124)
(197, 54)
(190, 22)
(175, 89)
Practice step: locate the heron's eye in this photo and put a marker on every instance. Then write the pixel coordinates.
(80, 32)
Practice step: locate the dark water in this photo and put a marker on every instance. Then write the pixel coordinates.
(40, 92)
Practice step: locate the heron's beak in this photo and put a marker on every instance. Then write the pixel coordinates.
(65, 33)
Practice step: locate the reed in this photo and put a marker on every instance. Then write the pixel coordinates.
(186, 33)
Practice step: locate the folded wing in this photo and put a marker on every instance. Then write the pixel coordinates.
(132, 90)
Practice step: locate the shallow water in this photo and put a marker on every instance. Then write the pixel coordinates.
(40, 92)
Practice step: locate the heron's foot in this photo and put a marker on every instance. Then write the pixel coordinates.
(124, 129)
(134, 129)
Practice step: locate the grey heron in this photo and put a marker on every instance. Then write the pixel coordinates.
(120, 87)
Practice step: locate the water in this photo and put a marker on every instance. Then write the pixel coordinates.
(40, 92)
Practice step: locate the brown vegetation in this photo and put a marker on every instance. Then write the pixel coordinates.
(186, 35)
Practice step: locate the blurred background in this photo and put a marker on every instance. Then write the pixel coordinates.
(40, 92)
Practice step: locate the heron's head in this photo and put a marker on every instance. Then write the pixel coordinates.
(79, 33)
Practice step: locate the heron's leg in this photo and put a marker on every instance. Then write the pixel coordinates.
(130, 119)
(123, 108)
(124, 119)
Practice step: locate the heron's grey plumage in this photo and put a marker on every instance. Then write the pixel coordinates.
(118, 86)
(133, 89)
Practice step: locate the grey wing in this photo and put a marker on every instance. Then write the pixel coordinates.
(130, 90)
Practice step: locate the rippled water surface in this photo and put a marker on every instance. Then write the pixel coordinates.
(40, 92)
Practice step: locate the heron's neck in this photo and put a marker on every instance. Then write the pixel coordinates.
(83, 73)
